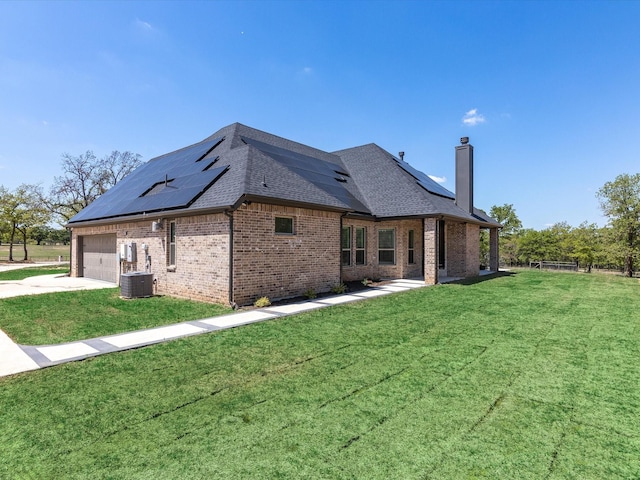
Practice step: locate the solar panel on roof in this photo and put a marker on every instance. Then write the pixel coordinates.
(134, 193)
(424, 180)
(318, 172)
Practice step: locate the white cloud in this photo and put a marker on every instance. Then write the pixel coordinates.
(142, 25)
(473, 118)
(438, 179)
(307, 71)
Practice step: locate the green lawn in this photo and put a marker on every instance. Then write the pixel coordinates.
(22, 273)
(527, 376)
(63, 317)
(38, 253)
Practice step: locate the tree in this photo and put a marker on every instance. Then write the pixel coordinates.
(506, 215)
(511, 226)
(40, 233)
(560, 245)
(85, 178)
(22, 210)
(587, 246)
(620, 201)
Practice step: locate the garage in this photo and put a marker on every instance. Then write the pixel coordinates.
(99, 260)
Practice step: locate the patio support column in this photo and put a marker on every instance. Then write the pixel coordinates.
(430, 251)
(472, 260)
(494, 254)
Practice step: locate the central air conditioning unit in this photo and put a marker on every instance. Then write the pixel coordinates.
(136, 285)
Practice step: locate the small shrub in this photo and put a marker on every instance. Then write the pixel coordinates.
(339, 288)
(311, 293)
(262, 302)
(366, 282)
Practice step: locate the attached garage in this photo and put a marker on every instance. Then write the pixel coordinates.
(99, 257)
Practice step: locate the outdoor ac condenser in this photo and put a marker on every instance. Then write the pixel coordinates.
(136, 285)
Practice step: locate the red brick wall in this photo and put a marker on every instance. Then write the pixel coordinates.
(280, 265)
(462, 249)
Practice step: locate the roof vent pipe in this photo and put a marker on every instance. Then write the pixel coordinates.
(401, 154)
(464, 175)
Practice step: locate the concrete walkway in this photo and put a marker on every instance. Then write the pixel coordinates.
(21, 358)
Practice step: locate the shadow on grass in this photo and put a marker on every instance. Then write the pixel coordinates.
(482, 278)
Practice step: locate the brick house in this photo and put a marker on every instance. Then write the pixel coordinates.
(245, 214)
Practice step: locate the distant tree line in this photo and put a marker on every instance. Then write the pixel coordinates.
(28, 212)
(616, 246)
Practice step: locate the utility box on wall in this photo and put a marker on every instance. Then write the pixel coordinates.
(128, 252)
(136, 285)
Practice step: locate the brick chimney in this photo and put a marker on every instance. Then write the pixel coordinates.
(464, 175)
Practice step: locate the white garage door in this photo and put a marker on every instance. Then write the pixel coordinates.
(99, 257)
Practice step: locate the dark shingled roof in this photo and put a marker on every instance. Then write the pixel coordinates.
(241, 163)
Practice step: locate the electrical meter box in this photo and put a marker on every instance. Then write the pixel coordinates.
(128, 252)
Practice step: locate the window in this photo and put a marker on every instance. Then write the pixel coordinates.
(284, 225)
(172, 243)
(346, 245)
(387, 246)
(361, 245)
(411, 256)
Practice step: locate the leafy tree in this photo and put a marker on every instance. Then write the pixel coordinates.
(511, 226)
(560, 245)
(620, 201)
(40, 233)
(506, 215)
(22, 210)
(85, 178)
(60, 235)
(586, 240)
(534, 245)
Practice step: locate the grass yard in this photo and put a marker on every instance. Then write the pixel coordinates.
(41, 253)
(527, 376)
(22, 273)
(67, 316)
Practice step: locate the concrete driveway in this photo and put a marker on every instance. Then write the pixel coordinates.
(48, 284)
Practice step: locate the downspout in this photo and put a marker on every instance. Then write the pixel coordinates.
(230, 215)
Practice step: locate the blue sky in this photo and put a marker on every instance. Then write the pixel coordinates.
(548, 92)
